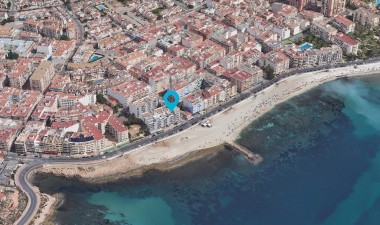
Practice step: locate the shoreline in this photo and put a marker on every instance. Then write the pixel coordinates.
(196, 141)
(162, 167)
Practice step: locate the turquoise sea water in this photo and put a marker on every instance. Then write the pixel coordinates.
(321, 166)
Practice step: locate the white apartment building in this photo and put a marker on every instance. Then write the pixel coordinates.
(348, 45)
(366, 18)
(323, 30)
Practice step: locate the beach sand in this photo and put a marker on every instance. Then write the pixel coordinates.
(226, 127)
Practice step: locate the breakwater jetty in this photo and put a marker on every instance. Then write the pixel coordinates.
(251, 156)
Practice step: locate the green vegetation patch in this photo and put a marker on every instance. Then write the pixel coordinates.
(158, 10)
(287, 42)
(369, 40)
(317, 42)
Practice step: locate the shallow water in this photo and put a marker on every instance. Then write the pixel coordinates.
(322, 166)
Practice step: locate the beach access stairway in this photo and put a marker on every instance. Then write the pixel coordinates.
(253, 157)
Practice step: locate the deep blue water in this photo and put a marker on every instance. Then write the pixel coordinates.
(321, 166)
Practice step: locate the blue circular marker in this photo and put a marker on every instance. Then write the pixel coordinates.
(171, 99)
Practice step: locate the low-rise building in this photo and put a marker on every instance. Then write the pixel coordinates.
(20, 47)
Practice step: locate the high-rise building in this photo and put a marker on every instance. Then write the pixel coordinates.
(333, 7)
(42, 76)
(300, 4)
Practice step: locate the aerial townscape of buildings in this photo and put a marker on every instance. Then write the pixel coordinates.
(80, 77)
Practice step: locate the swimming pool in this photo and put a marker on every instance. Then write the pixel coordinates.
(98, 81)
(305, 46)
(101, 7)
(95, 57)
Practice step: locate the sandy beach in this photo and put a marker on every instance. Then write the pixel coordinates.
(226, 127)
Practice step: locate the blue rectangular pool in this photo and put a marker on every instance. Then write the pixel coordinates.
(305, 46)
(101, 7)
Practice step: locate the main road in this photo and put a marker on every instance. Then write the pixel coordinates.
(25, 185)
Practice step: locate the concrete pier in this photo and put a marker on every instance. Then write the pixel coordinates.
(253, 157)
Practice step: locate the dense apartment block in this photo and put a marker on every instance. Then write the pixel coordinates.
(144, 105)
(84, 136)
(333, 7)
(348, 45)
(323, 30)
(20, 73)
(366, 18)
(128, 92)
(117, 129)
(3, 80)
(18, 104)
(326, 55)
(300, 4)
(240, 78)
(343, 24)
(42, 76)
(278, 61)
(9, 129)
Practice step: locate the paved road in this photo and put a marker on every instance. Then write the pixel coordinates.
(27, 188)
(80, 33)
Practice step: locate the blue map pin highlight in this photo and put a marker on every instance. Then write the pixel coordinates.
(172, 103)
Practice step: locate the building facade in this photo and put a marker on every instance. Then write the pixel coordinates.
(40, 79)
(333, 7)
(278, 61)
(343, 24)
(348, 45)
(366, 18)
(323, 31)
